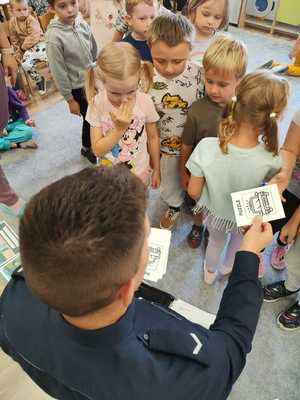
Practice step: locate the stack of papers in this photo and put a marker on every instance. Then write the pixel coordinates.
(159, 244)
(193, 313)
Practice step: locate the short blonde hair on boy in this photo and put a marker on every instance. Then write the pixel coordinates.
(194, 4)
(130, 4)
(225, 56)
(172, 29)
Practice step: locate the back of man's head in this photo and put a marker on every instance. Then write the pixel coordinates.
(81, 238)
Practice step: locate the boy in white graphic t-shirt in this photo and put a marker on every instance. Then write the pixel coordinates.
(177, 84)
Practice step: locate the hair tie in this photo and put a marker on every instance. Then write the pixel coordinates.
(273, 115)
(93, 64)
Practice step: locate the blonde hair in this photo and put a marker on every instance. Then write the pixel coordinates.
(194, 4)
(13, 2)
(119, 61)
(172, 29)
(226, 56)
(130, 4)
(261, 98)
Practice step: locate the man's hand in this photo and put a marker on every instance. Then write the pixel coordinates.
(10, 67)
(74, 107)
(258, 236)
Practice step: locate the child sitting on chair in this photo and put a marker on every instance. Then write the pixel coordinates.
(27, 39)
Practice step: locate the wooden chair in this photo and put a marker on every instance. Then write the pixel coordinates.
(45, 19)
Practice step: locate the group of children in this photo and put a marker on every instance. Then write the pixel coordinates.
(173, 102)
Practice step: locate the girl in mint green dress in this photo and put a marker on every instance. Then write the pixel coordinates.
(244, 156)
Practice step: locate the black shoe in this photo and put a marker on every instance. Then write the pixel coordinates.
(87, 153)
(42, 86)
(276, 291)
(289, 320)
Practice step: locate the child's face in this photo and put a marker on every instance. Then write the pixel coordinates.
(208, 17)
(220, 88)
(169, 61)
(20, 10)
(66, 10)
(119, 91)
(140, 20)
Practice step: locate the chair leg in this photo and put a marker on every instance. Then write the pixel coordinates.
(26, 82)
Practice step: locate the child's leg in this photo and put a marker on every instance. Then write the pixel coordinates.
(216, 242)
(232, 247)
(170, 189)
(17, 109)
(7, 195)
(280, 251)
(79, 96)
(4, 101)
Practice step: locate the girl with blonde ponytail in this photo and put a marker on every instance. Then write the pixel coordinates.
(243, 157)
(121, 113)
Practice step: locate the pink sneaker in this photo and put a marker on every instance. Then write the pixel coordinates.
(278, 257)
(261, 268)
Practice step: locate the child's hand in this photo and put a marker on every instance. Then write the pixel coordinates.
(155, 179)
(184, 178)
(282, 181)
(289, 231)
(74, 107)
(123, 116)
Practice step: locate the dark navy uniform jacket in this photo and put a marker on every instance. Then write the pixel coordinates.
(150, 353)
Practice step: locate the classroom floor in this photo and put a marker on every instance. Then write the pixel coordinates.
(272, 370)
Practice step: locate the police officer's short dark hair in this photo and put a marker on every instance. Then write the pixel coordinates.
(81, 238)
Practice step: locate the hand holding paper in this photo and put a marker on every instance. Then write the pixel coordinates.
(258, 236)
(264, 201)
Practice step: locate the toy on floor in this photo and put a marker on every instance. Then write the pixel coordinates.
(294, 69)
(290, 69)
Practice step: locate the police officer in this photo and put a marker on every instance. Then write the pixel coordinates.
(72, 322)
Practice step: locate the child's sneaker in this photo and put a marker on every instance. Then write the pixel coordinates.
(261, 268)
(289, 320)
(209, 277)
(276, 291)
(87, 153)
(168, 220)
(42, 86)
(278, 257)
(195, 236)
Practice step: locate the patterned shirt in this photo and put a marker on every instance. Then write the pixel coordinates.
(172, 99)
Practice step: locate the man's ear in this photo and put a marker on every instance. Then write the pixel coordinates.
(126, 292)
